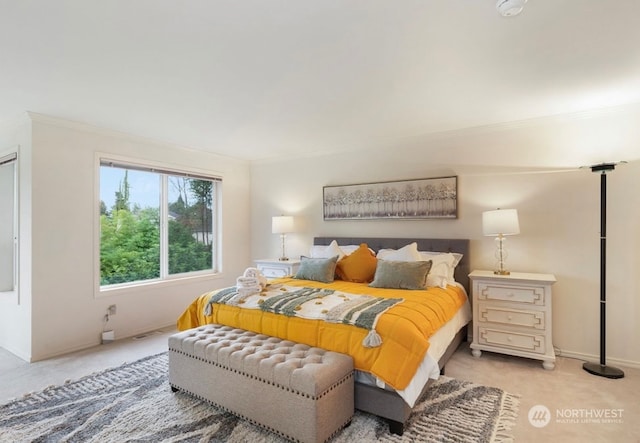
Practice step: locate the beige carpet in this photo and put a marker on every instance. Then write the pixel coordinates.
(134, 402)
(566, 387)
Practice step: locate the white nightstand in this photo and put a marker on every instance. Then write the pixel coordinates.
(274, 268)
(512, 315)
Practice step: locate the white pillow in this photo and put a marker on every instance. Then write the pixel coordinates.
(457, 256)
(442, 263)
(441, 272)
(428, 255)
(406, 253)
(332, 250)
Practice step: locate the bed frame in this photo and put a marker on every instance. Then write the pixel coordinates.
(385, 403)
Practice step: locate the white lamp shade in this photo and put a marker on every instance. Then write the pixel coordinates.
(282, 224)
(501, 221)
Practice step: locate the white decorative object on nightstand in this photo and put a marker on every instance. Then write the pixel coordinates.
(512, 315)
(274, 268)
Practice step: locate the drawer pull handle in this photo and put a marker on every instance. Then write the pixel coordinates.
(509, 339)
(510, 294)
(509, 318)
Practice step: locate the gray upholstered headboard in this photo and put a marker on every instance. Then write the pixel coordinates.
(424, 244)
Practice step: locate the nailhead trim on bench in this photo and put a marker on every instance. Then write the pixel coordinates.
(253, 377)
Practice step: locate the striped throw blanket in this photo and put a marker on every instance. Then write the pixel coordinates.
(362, 311)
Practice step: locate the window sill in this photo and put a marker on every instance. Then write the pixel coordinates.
(140, 287)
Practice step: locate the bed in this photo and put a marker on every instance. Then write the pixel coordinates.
(381, 388)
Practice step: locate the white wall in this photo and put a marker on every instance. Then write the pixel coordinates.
(66, 313)
(558, 206)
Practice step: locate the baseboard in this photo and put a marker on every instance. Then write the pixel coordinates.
(97, 342)
(146, 331)
(595, 358)
(17, 352)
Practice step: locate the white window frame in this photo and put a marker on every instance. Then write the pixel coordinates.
(12, 156)
(165, 278)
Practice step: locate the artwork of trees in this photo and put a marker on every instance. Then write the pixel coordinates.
(426, 198)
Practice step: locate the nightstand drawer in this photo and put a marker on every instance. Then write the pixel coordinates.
(512, 340)
(274, 271)
(532, 295)
(528, 319)
(274, 268)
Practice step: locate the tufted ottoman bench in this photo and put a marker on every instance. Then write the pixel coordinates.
(300, 392)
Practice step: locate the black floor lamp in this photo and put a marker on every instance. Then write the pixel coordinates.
(601, 368)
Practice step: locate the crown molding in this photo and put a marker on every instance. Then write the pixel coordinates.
(98, 130)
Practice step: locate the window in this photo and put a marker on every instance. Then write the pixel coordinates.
(8, 223)
(155, 224)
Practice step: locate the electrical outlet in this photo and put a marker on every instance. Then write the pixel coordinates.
(111, 310)
(108, 336)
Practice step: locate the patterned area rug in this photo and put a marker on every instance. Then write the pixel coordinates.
(133, 403)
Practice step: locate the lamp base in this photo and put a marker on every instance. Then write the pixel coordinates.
(603, 370)
(501, 255)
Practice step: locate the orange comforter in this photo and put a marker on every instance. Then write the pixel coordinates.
(405, 328)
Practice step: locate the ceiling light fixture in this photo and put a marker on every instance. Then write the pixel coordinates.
(509, 8)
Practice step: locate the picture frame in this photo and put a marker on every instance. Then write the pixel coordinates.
(426, 198)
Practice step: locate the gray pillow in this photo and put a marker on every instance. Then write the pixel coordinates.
(317, 269)
(401, 274)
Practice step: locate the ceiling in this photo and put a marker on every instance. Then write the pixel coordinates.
(260, 79)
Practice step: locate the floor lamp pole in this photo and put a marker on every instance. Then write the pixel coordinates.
(594, 368)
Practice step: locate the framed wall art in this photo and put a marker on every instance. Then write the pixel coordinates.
(405, 199)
